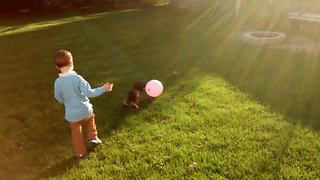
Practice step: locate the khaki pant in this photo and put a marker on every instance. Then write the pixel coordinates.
(77, 135)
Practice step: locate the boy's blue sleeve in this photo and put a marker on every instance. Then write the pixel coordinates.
(85, 88)
(57, 94)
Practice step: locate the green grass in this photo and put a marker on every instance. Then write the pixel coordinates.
(237, 110)
(210, 123)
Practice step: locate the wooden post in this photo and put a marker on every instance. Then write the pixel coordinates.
(238, 7)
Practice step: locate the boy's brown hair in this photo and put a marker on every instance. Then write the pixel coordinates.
(62, 58)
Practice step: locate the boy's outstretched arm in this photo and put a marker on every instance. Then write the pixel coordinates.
(86, 89)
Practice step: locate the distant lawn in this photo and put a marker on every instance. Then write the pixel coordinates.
(204, 115)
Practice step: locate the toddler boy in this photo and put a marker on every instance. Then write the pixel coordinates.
(74, 92)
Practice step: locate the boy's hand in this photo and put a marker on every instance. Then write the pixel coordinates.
(108, 87)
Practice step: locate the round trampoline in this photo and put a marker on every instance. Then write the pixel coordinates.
(264, 37)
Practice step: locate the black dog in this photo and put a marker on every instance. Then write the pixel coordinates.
(134, 95)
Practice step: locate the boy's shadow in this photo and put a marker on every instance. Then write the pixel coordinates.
(60, 168)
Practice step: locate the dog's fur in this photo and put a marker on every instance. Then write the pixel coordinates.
(134, 95)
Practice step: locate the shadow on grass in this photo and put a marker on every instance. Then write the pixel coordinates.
(59, 168)
(283, 80)
(63, 166)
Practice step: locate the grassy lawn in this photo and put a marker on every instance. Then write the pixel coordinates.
(237, 110)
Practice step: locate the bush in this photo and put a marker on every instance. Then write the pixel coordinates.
(45, 6)
(18, 6)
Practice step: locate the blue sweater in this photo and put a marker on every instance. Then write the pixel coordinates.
(74, 92)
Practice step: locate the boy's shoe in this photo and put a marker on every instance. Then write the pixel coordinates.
(95, 141)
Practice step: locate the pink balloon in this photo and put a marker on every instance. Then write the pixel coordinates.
(154, 88)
